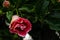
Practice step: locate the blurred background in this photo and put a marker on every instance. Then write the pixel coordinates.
(43, 14)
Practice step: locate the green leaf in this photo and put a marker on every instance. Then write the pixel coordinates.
(56, 15)
(15, 36)
(9, 15)
(24, 9)
(45, 4)
(53, 26)
(0, 38)
(53, 1)
(1, 12)
(54, 20)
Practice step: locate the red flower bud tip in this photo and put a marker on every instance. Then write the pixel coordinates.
(20, 26)
(6, 3)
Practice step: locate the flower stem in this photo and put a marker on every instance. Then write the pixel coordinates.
(17, 12)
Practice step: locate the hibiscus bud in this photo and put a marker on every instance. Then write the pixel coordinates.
(20, 26)
(6, 3)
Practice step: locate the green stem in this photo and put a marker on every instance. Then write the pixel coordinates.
(20, 14)
(17, 12)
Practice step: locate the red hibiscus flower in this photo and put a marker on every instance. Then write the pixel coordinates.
(20, 26)
(6, 3)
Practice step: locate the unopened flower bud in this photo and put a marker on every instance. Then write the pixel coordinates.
(6, 3)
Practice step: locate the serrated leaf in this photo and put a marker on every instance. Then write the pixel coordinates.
(9, 15)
